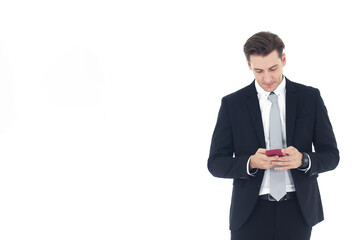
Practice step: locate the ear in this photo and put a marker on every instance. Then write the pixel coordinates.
(283, 59)
(249, 64)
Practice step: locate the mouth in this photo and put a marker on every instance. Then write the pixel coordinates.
(269, 85)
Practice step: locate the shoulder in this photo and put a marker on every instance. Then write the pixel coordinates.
(301, 89)
(240, 94)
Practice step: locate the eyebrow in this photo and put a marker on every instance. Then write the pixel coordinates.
(274, 66)
(259, 69)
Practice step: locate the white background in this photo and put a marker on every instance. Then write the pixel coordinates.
(107, 110)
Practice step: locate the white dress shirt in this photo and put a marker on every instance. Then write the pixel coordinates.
(265, 106)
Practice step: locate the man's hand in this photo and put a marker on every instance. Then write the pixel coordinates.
(261, 161)
(291, 160)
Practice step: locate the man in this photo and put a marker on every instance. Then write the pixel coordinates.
(274, 197)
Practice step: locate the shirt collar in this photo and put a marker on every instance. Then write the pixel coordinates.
(278, 91)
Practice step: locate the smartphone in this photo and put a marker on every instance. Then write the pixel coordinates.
(274, 152)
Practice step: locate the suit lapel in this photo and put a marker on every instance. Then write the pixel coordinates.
(291, 104)
(254, 109)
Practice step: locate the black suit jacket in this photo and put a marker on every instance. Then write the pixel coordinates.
(239, 133)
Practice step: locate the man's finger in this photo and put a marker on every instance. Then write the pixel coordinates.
(285, 158)
(261, 150)
(283, 168)
(286, 151)
(282, 161)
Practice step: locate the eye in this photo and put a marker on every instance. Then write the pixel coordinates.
(273, 69)
(258, 71)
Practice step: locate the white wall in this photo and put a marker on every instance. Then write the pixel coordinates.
(107, 110)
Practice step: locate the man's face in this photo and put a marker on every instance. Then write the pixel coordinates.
(268, 70)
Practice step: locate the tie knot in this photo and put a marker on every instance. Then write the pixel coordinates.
(273, 97)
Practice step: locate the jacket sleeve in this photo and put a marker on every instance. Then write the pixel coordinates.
(222, 162)
(326, 155)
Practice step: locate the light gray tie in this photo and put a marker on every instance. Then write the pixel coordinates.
(277, 178)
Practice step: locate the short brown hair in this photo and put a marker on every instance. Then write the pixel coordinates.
(263, 43)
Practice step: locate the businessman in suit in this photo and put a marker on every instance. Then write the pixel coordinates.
(274, 197)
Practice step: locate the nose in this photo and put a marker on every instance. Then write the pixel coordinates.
(267, 77)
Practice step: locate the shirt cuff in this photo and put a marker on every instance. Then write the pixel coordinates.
(306, 169)
(254, 171)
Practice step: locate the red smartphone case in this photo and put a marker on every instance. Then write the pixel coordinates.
(274, 152)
